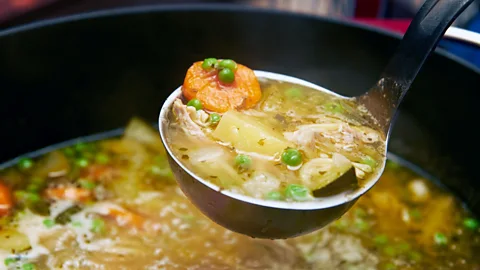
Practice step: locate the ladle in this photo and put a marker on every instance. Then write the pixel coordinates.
(276, 219)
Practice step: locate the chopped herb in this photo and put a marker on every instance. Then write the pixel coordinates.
(261, 142)
(48, 223)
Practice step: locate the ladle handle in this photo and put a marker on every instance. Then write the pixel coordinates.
(421, 38)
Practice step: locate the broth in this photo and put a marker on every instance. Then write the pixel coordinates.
(113, 204)
(290, 143)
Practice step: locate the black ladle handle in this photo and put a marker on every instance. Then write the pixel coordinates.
(421, 38)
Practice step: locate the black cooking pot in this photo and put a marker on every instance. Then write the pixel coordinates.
(70, 77)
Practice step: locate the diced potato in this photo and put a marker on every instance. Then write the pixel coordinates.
(11, 239)
(246, 133)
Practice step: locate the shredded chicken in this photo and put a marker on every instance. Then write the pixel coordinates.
(190, 121)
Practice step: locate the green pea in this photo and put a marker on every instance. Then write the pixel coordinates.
(361, 224)
(82, 162)
(28, 266)
(390, 251)
(380, 239)
(368, 160)
(415, 214)
(471, 223)
(26, 196)
(33, 188)
(209, 64)
(243, 161)
(389, 266)
(214, 118)
(197, 104)
(69, 152)
(228, 63)
(102, 158)
(86, 183)
(274, 196)
(25, 164)
(9, 261)
(415, 256)
(293, 92)
(226, 75)
(297, 192)
(440, 239)
(292, 157)
(49, 223)
(341, 224)
(98, 225)
(79, 147)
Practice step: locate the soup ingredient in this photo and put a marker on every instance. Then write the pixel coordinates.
(214, 118)
(220, 90)
(209, 64)
(247, 134)
(6, 202)
(195, 103)
(25, 163)
(292, 157)
(243, 162)
(471, 223)
(297, 192)
(228, 63)
(226, 75)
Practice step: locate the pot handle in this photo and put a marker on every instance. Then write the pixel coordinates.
(462, 36)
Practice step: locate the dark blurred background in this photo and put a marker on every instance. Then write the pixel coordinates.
(393, 15)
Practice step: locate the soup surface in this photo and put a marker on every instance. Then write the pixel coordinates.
(270, 139)
(114, 204)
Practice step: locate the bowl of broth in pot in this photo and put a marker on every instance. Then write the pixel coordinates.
(270, 139)
(114, 204)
